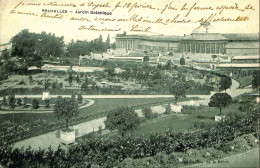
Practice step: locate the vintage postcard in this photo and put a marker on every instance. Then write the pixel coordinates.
(127, 83)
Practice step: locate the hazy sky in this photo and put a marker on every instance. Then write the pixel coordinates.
(11, 24)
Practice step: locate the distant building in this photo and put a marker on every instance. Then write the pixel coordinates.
(202, 40)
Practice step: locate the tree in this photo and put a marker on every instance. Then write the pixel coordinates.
(84, 86)
(31, 78)
(47, 103)
(178, 90)
(35, 103)
(122, 119)
(80, 98)
(182, 61)
(147, 111)
(70, 79)
(225, 83)
(25, 99)
(19, 101)
(5, 54)
(77, 79)
(146, 58)
(66, 108)
(168, 109)
(4, 101)
(220, 100)
(256, 80)
(214, 57)
(12, 101)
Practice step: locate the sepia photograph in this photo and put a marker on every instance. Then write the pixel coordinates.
(129, 84)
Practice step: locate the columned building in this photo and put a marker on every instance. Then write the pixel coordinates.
(204, 40)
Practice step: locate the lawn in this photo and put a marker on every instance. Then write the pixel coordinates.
(100, 105)
(244, 81)
(178, 122)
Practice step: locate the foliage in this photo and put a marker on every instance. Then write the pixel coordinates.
(70, 79)
(147, 111)
(12, 101)
(256, 80)
(5, 54)
(146, 58)
(25, 100)
(122, 119)
(65, 108)
(4, 101)
(178, 90)
(220, 100)
(31, 47)
(19, 101)
(163, 148)
(47, 103)
(225, 83)
(80, 98)
(35, 103)
(182, 61)
(168, 109)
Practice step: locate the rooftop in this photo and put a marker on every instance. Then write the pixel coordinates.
(243, 44)
(244, 36)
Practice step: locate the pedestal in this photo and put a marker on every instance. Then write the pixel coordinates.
(46, 95)
(67, 137)
(219, 118)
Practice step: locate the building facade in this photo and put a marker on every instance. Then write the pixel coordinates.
(203, 40)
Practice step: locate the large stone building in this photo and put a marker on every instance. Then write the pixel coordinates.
(203, 40)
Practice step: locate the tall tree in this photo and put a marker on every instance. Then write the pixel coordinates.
(70, 79)
(35, 103)
(12, 101)
(31, 47)
(66, 108)
(225, 83)
(220, 100)
(178, 90)
(123, 120)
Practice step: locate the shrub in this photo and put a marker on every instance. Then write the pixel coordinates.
(47, 103)
(240, 144)
(168, 109)
(251, 140)
(35, 103)
(80, 98)
(19, 101)
(162, 158)
(147, 111)
(25, 99)
(182, 61)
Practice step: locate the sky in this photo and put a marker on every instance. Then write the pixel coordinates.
(11, 24)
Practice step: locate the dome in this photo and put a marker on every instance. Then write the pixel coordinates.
(204, 28)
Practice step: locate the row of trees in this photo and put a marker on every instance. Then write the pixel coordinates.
(29, 49)
(75, 49)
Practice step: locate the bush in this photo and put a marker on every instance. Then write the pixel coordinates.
(168, 109)
(47, 103)
(251, 140)
(182, 61)
(240, 144)
(19, 101)
(147, 111)
(35, 103)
